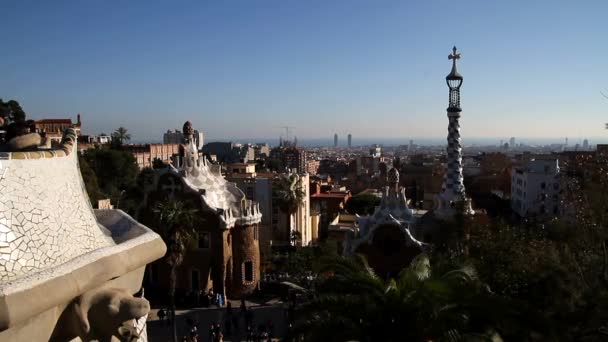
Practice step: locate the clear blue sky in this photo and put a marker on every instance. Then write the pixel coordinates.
(373, 68)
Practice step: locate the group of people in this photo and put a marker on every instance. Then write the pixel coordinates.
(231, 323)
(231, 327)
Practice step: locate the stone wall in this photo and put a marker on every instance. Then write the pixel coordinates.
(245, 249)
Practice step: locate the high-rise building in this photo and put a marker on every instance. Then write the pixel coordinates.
(512, 142)
(336, 140)
(350, 140)
(290, 158)
(585, 144)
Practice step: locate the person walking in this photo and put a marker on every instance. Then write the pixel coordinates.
(161, 314)
(228, 320)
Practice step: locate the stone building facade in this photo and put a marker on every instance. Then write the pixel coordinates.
(146, 153)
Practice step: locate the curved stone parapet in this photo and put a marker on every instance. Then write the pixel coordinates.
(46, 218)
(56, 253)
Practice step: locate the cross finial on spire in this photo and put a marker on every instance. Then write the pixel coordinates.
(454, 55)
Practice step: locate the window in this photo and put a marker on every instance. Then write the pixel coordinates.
(543, 185)
(228, 238)
(555, 186)
(255, 233)
(248, 271)
(203, 240)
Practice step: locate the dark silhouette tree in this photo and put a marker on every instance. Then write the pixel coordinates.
(351, 303)
(121, 135)
(362, 204)
(177, 225)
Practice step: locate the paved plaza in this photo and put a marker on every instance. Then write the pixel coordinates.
(160, 331)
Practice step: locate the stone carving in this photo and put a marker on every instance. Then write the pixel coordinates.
(68, 140)
(106, 314)
(187, 129)
(24, 142)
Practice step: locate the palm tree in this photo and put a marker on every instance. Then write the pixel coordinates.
(290, 195)
(177, 225)
(351, 303)
(121, 135)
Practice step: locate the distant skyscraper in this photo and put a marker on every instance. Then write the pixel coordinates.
(350, 140)
(585, 144)
(512, 142)
(336, 140)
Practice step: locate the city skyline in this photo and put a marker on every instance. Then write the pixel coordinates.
(240, 70)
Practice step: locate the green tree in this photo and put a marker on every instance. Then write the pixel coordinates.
(351, 303)
(121, 135)
(289, 193)
(11, 111)
(90, 180)
(362, 204)
(158, 164)
(116, 171)
(177, 225)
(12, 119)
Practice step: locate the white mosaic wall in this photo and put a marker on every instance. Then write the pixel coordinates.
(46, 218)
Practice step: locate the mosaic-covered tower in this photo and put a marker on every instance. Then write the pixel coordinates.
(453, 194)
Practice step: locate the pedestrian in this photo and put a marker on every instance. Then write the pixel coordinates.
(161, 314)
(235, 323)
(218, 299)
(248, 316)
(243, 307)
(270, 328)
(218, 332)
(249, 334)
(228, 319)
(212, 331)
(211, 297)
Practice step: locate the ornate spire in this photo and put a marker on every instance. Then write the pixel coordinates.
(453, 192)
(454, 75)
(454, 81)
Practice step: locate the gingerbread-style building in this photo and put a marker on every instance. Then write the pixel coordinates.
(226, 257)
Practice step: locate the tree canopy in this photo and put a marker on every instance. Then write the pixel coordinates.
(289, 191)
(116, 171)
(362, 204)
(121, 135)
(11, 111)
(351, 303)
